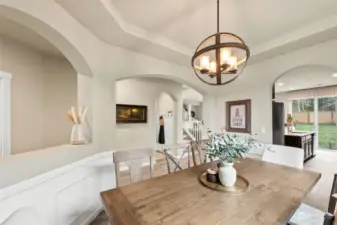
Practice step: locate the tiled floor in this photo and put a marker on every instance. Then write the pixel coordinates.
(325, 162)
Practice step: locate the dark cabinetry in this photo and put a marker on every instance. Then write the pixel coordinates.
(305, 140)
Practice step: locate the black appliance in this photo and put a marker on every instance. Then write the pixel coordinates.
(278, 123)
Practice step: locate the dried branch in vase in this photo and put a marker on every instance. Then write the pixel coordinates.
(77, 116)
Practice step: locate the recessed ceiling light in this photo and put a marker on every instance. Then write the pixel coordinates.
(280, 84)
(334, 75)
(291, 88)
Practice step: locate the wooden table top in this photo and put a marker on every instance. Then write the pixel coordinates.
(179, 199)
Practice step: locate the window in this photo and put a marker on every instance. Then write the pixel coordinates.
(323, 120)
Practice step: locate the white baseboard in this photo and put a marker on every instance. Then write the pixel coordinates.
(87, 217)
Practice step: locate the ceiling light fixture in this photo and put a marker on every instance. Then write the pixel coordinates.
(334, 75)
(280, 84)
(220, 58)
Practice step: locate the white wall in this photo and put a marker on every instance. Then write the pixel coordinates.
(165, 103)
(198, 111)
(85, 98)
(142, 92)
(192, 96)
(60, 93)
(261, 117)
(43, 89)
(214, 111)
(68, 194)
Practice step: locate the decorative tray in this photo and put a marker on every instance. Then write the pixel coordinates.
(241, 185)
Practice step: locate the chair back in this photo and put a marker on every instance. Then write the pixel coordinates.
(333, 197)
(134, 160)
(284, 155)
(177, 150)
(198, 152)
(176, 154)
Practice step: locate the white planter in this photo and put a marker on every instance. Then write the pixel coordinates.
(227, 174)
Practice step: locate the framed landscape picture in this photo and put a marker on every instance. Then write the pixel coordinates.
(131, 113)
(238, 116)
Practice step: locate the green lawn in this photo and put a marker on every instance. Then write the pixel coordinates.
(327, 134)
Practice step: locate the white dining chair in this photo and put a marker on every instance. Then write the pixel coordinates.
(134, 160)
(25, 216)
(294, 157)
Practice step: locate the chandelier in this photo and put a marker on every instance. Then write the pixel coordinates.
(220, 58)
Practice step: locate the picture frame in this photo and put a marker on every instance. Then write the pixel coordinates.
(238, 116)
(126, 114)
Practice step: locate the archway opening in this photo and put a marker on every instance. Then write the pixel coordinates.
(307, 95)
(162, 97)
(44, 83)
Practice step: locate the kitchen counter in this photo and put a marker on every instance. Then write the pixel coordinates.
(304, 140)
(300, 134)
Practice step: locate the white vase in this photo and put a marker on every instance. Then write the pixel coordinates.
(77, 135)
(227, 174)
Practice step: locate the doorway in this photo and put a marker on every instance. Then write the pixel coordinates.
(309, 95)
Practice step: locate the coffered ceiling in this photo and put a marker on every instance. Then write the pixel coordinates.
(172, 29)
(188, 22)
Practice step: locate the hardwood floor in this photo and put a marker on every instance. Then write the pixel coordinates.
(160, 169)
(325, 162)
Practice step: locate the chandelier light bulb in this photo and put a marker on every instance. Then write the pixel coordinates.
(233, 62)
(212, 67)
(204, 62)
(225, 56)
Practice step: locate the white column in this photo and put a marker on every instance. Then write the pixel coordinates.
(5, 114)
(189, 112)
(178, 117)
(288, 108)
(316, 121)
(84, 98)
(104, 112)
(209, 114)
(336, 110)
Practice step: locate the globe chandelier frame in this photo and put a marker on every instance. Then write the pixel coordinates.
(226, 67)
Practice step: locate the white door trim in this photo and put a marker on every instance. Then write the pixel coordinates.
(5, 114)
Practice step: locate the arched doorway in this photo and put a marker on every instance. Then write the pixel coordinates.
(163, 97)
(308, 94)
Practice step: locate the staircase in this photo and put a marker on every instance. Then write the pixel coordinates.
(194, 129)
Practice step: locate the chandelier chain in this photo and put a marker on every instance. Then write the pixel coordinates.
(218, 17)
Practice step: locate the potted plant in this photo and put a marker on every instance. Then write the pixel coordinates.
(290, 120)
(229, 148)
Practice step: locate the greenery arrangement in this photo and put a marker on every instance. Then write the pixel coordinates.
(229, 147)
(290, 118)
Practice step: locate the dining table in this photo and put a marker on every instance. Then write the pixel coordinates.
(274, 194)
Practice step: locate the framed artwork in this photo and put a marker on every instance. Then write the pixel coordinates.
(131, 113)
(238, 116)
